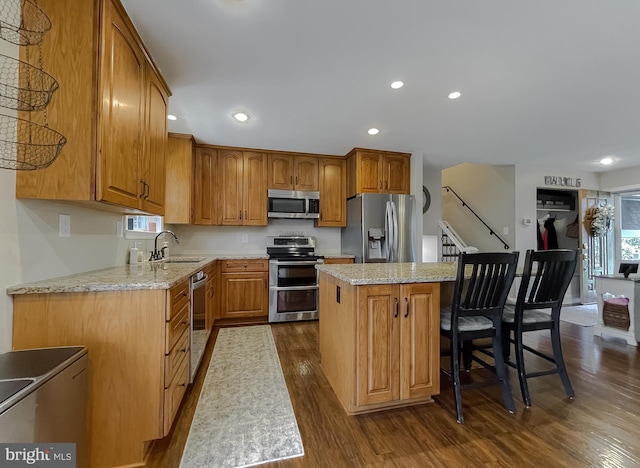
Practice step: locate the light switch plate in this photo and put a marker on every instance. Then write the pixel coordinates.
(64, 225)
(245, 238)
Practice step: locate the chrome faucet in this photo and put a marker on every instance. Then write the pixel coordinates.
(159, 254)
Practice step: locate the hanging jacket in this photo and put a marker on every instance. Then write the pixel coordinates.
(550, 236)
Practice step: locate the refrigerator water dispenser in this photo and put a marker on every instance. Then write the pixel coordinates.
(376, 244)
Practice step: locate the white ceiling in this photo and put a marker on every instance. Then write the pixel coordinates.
(543, 82)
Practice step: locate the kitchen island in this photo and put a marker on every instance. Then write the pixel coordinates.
(380, 332)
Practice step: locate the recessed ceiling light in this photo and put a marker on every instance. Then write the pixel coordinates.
(455, 95)
(241, 116)
(373, 131)
(397, 84)
(172, 117)
(606, 161)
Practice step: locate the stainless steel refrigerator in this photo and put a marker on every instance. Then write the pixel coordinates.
(380, 228)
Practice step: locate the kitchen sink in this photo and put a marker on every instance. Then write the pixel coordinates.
(184, 259)
(8, 388)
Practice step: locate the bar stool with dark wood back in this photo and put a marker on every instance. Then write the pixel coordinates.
(545, 279)
(482, 283)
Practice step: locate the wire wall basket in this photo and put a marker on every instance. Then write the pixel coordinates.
(22, 22)
(25, 145)
(23, 86)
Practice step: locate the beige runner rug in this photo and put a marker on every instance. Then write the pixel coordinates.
(585, 315)
(244, 415)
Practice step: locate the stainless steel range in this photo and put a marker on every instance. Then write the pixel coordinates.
(293, 278)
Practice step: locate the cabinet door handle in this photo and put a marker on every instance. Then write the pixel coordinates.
(265, 284)
(146, 193)
(291, 180)
(240, 214)
(407, 302)
(380, 184)
(141, 193)
(183, 350)
(296, 180)
(396, 301)
(386, 184)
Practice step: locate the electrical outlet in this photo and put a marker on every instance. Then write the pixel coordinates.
(245, 238)
(64, 225)
(505, 231)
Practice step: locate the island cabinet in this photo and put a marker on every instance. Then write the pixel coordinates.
(373, 171)
(333, 193)
(111, 107)
(138, 343)
(242, 198)
(293, 172)
(379, 344)
(244, 288)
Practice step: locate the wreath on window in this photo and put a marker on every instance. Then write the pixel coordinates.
(601, 220)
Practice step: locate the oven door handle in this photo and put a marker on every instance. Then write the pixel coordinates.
(200, 283)
(292, 288)
(302, 262)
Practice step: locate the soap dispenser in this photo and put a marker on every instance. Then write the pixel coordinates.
(133, 254)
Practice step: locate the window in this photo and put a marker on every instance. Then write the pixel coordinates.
(142, 227)
(630, 226)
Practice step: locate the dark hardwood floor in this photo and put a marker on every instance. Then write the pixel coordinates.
(599, 428)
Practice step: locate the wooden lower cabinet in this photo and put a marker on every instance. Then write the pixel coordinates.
(337, 260)
(138, 351)
(380, 344)
(244, 288)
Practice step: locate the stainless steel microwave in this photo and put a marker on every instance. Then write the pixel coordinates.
(293, 204)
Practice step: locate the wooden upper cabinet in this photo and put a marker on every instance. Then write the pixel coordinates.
(243, 188)
(111, 107)
(254, 193)
(230, 163)
(206, 186)
(180, 179)
(122, 115)
(333, 193)
(373, 171)
(292, 172)
(153, 166)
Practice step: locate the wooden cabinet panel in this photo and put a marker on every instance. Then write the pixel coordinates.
(292, 172)
(173, 360)
(333, 193)
(280, 172)
(419, 338)
(206, 186)
(237, 266)
(173, 394)
(230, 165)
(254, 182)
(122, 114)
(373, 171)
(396, 174)
(337, 260)
(378, 350)
(153, 161)
(244, 294)
(398, 343)
(180, 179)
(305, 174)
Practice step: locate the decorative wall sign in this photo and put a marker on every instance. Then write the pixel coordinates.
(562, 181)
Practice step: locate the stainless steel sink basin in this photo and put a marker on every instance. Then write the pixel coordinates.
(8, 388)
(184, 259)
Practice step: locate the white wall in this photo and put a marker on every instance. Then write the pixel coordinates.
(490, 192)
(228, 239)
(432, 180)
(620, 180)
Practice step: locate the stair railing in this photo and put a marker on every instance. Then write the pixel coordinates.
(464, 204)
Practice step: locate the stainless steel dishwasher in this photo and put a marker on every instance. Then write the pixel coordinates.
(43, 397)
(198, 335)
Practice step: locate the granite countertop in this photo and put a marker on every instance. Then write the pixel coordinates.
(391, 273)
(147, 275)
